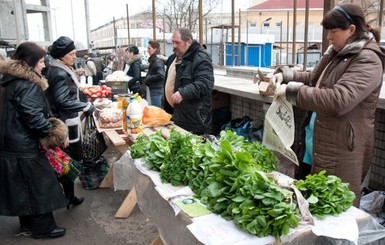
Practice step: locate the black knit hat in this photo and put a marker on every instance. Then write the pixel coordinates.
(62, 46)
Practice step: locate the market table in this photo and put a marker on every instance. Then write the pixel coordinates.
(122, 143)
(176, 227)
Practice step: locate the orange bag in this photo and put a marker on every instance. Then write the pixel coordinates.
(154, 116)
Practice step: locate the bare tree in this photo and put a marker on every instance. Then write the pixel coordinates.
(183, 13)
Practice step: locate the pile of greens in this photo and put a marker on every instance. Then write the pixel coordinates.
(181, 157)
(228, 176)
(325, 194)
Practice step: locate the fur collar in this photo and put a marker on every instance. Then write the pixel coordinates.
(134, 58)
(20, 69)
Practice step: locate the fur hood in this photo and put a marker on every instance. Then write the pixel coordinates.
(134, 58)
(57, 135)
(20, 69)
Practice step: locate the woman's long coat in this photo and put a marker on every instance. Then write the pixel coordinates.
(28, 184)
(345, 103)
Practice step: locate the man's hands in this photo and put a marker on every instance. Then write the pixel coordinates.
(177, 98)
(276, 79)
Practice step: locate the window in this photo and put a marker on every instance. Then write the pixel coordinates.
(266, 24)
(253, 24)
(278, 24)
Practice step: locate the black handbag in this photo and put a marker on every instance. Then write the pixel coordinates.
(93, 144)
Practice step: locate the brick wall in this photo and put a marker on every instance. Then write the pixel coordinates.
(377, 174)
(240, 107)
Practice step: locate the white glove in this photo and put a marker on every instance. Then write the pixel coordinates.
(276, 79)
(281, 90)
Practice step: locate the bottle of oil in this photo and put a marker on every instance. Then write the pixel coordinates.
(123, 100)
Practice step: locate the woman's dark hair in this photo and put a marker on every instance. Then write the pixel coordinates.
(155, 45)
(30, 53)
(344, 15)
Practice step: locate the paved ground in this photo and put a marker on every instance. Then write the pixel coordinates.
(91, 223)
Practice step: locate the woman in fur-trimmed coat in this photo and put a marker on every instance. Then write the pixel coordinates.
(28, 185)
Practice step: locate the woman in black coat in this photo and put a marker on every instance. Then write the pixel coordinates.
(65, 104)
(155, 74)
(28, 185)
(135, 63)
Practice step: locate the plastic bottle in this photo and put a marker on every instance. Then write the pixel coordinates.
(89, 81)
(123, 100)
(134, 116)
(83, 81)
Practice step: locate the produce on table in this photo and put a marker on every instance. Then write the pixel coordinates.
(102, 103)
(97, 91)
(228, 176)
(110, 118)
(140, 147)
(118, 76)
(157, 151)
(181, 156)
(325, 194)
(154, 116)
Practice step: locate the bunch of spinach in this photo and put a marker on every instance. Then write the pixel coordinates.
(235, 189)
(157, 151)
(140, 147)
(262, 208)
(198, 171)
(325, 194)
(261, 158)
(181, 157)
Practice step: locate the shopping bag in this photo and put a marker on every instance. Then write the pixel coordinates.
(240, 126)
(93, 173)
(93, 144)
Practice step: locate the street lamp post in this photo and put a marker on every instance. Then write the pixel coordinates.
(280, 43)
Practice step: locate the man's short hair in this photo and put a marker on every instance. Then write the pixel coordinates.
(133, 49)
(185, 33)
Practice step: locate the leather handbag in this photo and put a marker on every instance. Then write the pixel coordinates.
(93, 144)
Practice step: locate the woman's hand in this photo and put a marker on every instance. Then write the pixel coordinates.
(276, 79)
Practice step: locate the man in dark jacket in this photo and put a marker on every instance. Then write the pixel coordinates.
(189, 83)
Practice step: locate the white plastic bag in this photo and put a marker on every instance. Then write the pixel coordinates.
(121, 172)
(373, 202)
